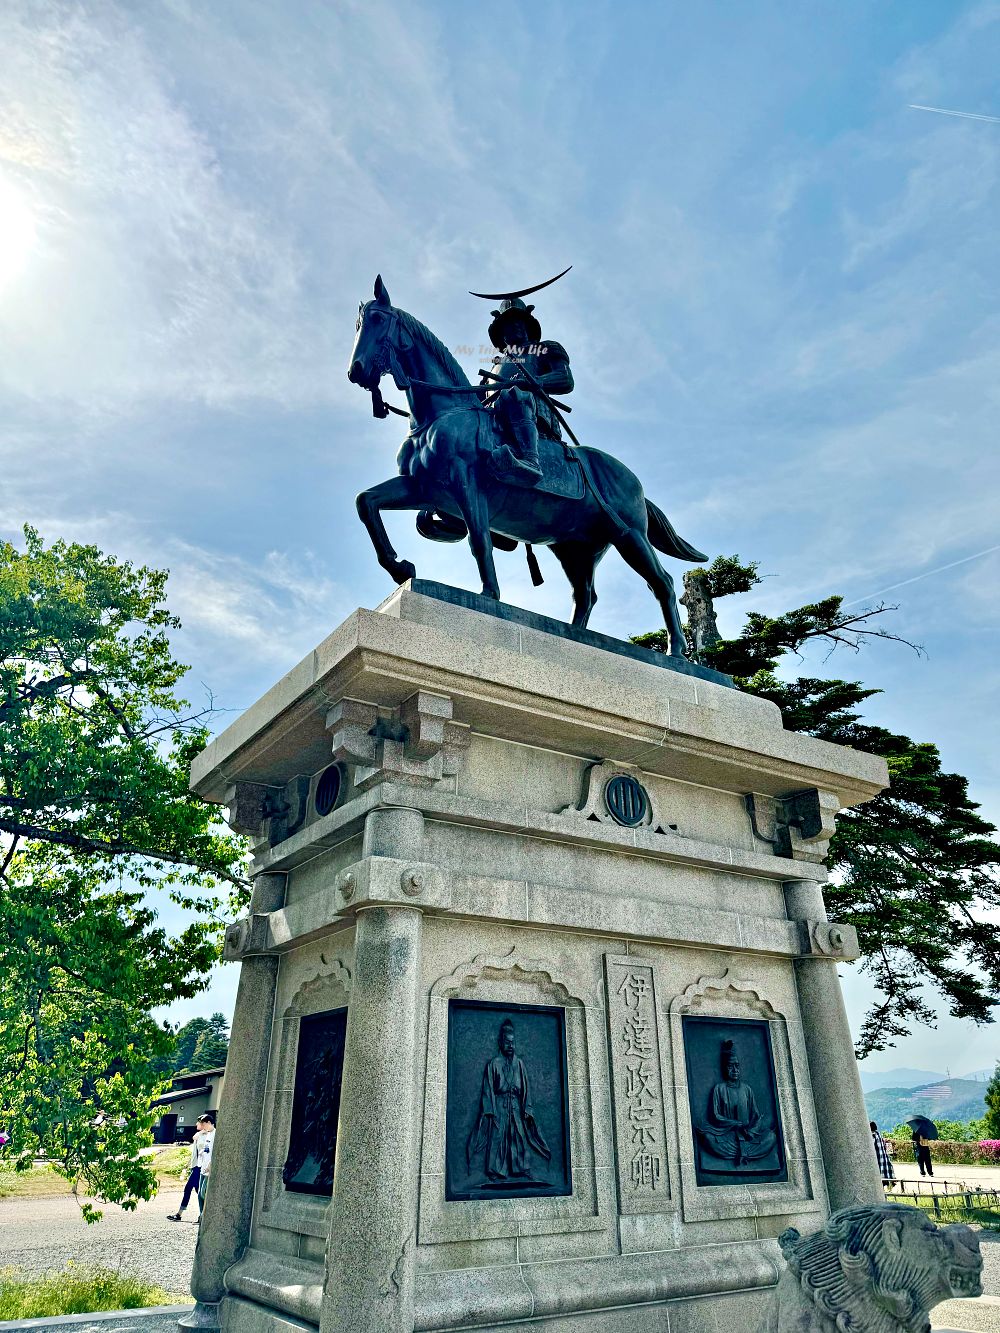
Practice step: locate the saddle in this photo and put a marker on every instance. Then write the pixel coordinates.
(562, 474)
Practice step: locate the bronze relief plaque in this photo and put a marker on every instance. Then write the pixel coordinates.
(735, 1117)
(319, 1071)
(507, 1114)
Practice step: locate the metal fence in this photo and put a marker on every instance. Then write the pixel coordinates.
(947, 1200)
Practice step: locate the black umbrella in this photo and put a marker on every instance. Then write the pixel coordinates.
(924, 1127)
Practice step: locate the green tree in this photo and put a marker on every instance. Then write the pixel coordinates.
(912, 870)
(212, 1046)
(991, 1121)
(185, 1041)
(95, 814)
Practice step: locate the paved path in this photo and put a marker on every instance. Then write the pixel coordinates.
(982, 1315)
(41, 1235)
(985, 1177)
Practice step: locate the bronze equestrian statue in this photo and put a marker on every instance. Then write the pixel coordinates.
(487, 462)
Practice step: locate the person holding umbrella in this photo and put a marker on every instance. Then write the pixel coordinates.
(924, 1132)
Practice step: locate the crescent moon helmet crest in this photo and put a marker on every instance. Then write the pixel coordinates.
(511, 296)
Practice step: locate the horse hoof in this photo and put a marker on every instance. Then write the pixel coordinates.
(403, 571)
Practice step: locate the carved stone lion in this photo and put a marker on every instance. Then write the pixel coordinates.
(872, 1270)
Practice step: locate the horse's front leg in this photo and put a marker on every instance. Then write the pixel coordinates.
(397, 493)
(475, 510)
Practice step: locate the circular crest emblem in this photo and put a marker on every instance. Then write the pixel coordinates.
(627, 800)
(328, 789)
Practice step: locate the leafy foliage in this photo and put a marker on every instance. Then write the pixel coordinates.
(186, 1039)
(991, 1120)
(95, 744)
(914, 868)
(212, 1044)
(728, 574)
(95, 812)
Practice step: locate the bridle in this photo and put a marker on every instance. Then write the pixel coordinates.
(385, 361)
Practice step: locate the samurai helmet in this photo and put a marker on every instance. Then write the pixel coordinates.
(511, 309)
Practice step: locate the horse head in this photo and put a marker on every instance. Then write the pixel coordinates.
(378, 341)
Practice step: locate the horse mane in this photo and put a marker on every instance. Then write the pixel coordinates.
(421, 333)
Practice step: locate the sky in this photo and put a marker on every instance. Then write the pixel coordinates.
(782, 312)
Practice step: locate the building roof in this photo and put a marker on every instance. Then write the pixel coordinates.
(181, 1095)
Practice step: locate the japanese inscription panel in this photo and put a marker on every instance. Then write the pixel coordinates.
(319, 1071)
(507, 1110)
(735, 1117)
(640, 1131)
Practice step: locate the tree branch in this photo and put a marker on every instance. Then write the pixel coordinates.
(81, 843)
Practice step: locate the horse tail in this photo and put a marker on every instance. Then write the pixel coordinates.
(440, 527)
(665, 539)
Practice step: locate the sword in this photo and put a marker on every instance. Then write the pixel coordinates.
(558, 408)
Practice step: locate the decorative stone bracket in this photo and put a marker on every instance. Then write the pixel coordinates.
(269, 812)
(418, 742)
(827, 939)
(791, 822)
(250, 935)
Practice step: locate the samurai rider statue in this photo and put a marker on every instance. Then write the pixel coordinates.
(525, 372)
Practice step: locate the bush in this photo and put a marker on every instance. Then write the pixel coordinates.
(984, 1153)
(74, 1291)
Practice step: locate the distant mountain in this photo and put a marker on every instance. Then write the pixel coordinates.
(976, 1075)
(898, 1078)
(947, 1099)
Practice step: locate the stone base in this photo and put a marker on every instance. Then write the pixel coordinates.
(555, 838)
(711, 1312)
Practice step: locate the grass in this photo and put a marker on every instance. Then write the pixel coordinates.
(173, 1164)
(38, 1182)
(41, 1182)
(74, 1291)
(953, 1209)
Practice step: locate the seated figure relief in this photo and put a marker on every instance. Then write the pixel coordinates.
(734, 1134)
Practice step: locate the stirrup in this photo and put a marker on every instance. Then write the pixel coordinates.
(509, 462)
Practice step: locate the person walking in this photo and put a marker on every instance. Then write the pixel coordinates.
(202, 1127)
(205, 1159)
(881, 1154)
(922, 1153)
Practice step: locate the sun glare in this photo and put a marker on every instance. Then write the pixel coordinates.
(17, 231)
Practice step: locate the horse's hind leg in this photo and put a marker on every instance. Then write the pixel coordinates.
(579, 562)
(396, 493)
(634, 547)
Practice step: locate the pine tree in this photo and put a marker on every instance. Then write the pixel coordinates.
(212, 1045)
(185, 1041)
(912, 870)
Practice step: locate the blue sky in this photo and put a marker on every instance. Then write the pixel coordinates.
(782, 312)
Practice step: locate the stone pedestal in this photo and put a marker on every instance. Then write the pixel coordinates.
(538, 894)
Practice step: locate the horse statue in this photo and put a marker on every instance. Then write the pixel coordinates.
(585, 502)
